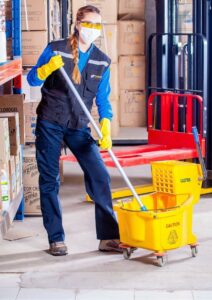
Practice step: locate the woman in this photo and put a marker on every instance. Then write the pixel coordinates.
(60, 118)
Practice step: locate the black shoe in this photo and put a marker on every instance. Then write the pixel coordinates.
(58, 249)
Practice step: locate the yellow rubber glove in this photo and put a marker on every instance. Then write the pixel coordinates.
(54, 63)
(105, 143)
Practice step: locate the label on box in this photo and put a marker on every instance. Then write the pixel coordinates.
(132, 108)
(31, 174)
(33, 44)
(131, 38)
(32, 200)
(132, 72)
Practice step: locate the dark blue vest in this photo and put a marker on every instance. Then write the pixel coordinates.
(58, 103)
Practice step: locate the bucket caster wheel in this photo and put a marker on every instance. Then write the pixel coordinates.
(127, 253)
(194, 251)
(160, 261)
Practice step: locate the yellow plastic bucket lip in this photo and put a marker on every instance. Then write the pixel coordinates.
(160, 214)
(152, 210)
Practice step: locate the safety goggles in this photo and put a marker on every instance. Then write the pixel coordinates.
(91, 25)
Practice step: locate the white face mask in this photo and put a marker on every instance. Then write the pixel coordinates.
(89, 35)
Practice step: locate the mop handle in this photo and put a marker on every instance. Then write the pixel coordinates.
(112, 155)
(201, 160)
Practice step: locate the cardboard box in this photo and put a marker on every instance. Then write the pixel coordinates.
(34, 17)
(30, 120)
(131, 37)
(14, 103)
(13, 121)
(32, 200)
(19, 171)
(4, 140)
(5, 185)
(132, 72)
(114, 84)
(132, 108)
(31, 174)
(8, 10)
(108, 42)
(32, 93)
(108, 11)
(12, 176)
(33, 44)
(136, 8)
(30, 180)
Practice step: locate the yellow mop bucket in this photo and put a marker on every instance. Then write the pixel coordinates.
(167, 223)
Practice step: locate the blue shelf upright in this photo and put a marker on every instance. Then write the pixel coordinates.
(16, 27)
(17, 51)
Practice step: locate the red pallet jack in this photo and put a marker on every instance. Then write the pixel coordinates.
(166, 143)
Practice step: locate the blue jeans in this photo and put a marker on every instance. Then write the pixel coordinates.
(49, 138)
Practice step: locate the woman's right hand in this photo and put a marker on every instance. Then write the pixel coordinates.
(54, 64)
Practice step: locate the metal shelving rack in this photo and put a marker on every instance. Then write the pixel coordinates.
(12, 70)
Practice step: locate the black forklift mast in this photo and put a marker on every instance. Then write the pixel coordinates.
(167, 15)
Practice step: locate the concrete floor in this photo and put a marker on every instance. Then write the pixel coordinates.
(27, 271)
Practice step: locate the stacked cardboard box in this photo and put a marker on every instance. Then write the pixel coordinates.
(11, 136)
(132, 62)
(32, 93)
(12, 177)
(135, 8)
(108, 43)
(14, 136)
(34, 30)
(4, 161)
(14, 103)
(32, 99)
(9, 157)
(30, 180)
(30, 120)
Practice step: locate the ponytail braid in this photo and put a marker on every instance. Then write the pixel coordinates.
(74, 42)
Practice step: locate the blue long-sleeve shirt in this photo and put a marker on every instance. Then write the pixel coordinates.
(103, 93)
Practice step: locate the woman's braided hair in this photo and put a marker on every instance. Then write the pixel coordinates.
(74, 40)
